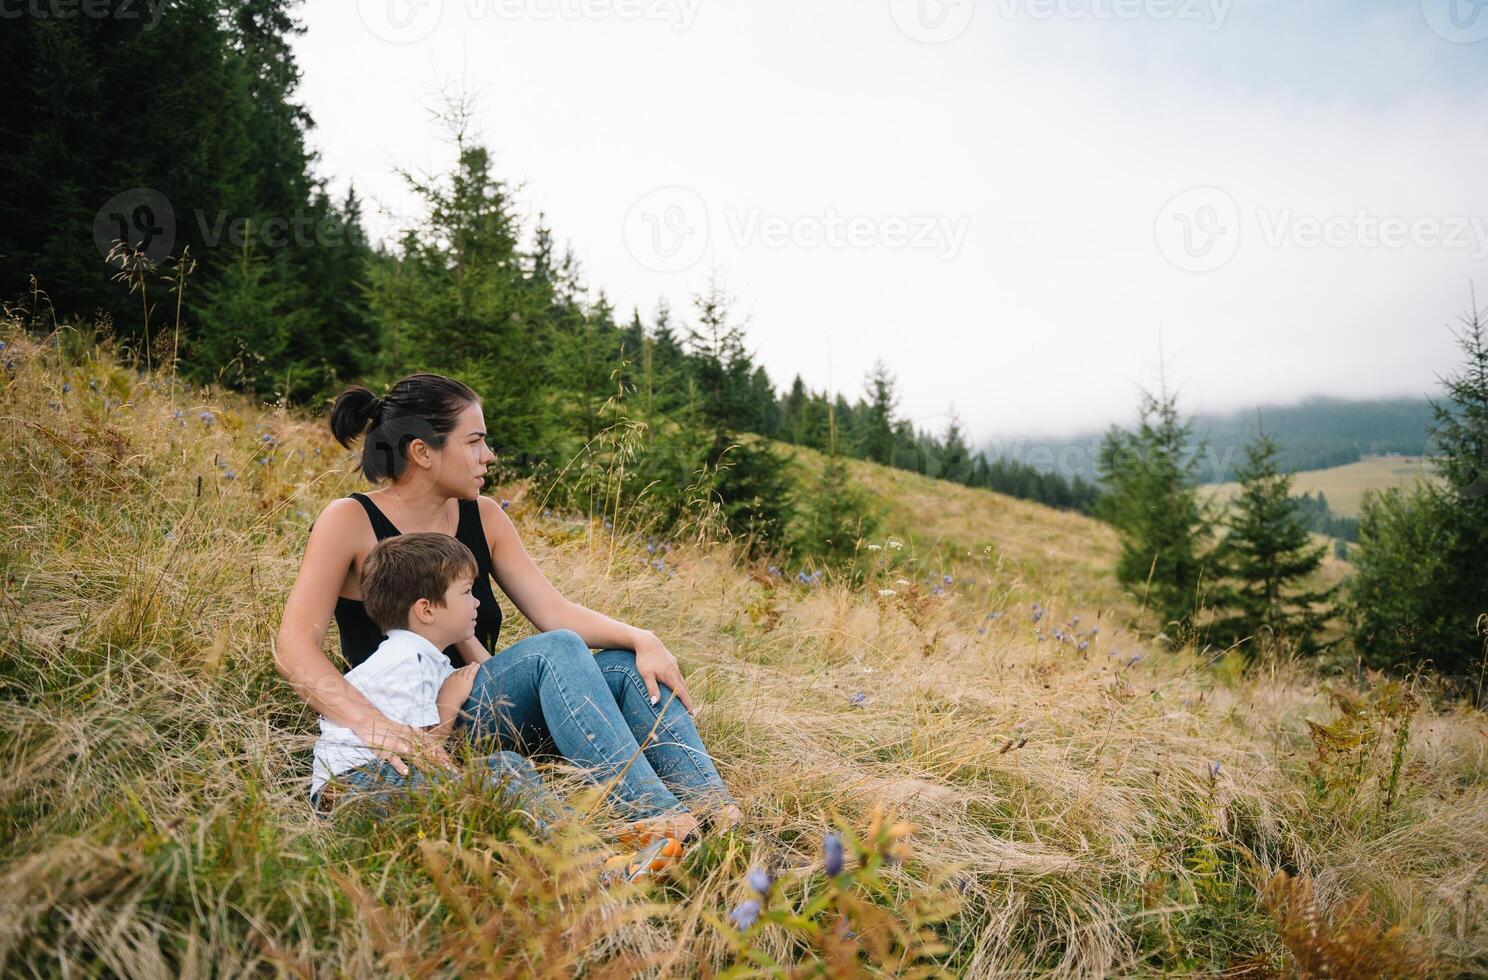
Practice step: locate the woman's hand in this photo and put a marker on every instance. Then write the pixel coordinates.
(394, 742)
(655, 664)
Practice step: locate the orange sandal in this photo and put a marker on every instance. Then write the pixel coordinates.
(641, 834)
(651, 861)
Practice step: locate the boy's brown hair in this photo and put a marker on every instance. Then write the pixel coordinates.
(401, 570)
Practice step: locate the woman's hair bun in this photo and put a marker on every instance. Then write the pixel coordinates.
(352, 413)
(420, 406)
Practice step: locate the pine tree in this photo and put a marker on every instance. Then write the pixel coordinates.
(878, 423)
(1421, 565)
(1153, 503)
(666, 381)
(793, 411)
(751, 478)
(1266, 556)
(254, 314)
(838, 515)
(955, 456)
(461, 298)
(716, 349)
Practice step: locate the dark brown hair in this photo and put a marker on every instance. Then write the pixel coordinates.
(401, 570)
(420, 406)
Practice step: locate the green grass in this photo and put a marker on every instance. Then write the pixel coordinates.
(1345, 486)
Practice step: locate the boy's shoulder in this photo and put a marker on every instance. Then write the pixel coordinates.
(392, 653)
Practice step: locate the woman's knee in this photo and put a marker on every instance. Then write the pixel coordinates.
(565, 649)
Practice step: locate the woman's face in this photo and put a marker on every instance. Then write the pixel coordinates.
(460, 465)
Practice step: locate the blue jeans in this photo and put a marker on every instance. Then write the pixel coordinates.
(513, 777)
(550, 694)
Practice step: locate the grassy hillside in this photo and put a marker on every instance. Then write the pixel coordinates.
(1074, 807)
(1344, 486)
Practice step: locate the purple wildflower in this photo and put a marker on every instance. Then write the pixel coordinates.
(1134, 659)
(1084, 645)
(1214, 770)
(759, 880)
(832, 855)
(858, 700)
(745, 914)
(505, 504)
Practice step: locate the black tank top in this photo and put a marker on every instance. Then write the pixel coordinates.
(360, 636)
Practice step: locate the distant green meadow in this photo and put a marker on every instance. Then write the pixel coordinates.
(1344, 486)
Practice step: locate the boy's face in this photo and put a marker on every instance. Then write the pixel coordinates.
(455, 620)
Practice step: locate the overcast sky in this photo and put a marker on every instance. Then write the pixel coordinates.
(1015, 203)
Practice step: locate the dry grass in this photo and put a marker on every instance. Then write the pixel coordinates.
(1066, 801)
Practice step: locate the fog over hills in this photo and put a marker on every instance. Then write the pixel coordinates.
(1315, 433)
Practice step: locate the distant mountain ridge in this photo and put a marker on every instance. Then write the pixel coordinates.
(1316, 433)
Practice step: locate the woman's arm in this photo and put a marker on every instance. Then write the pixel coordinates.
(299, 655)
(547, 609)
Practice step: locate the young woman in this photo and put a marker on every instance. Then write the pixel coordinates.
(426, 440)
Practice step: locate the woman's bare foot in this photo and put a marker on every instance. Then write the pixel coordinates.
(730, 815)
(639, 833)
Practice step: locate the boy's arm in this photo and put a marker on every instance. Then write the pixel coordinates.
(453, 694)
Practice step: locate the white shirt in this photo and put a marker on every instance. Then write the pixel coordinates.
(402, 680)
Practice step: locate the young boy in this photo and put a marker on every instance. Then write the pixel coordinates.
(417, 588)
